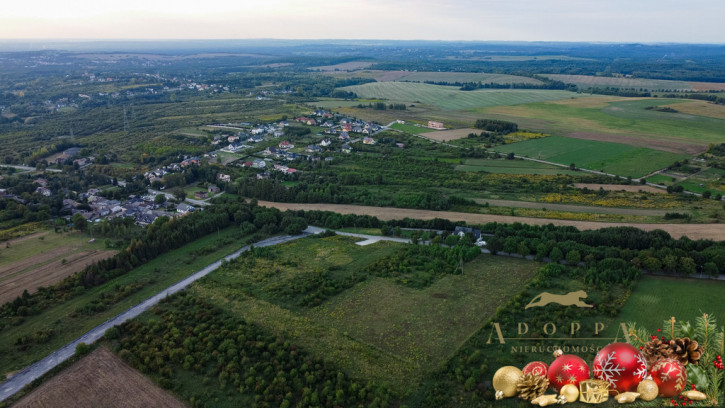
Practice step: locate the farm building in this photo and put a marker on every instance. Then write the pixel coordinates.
(435, 125)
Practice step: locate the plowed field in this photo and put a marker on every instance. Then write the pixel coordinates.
(99, 380)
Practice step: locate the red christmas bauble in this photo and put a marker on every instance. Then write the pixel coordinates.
(623, 365)
(670, 376)
(536, 368)
(567, 369)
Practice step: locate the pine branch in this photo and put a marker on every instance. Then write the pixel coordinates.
(637, 336)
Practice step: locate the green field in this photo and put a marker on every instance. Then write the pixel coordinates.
(660, 179)
(614, 158)
(451, 98)
(377, 329)
(468, 77)
(68, 325)
(656, 299)
(626, 120)
(512, 167)
(46, 241)
(412, 129)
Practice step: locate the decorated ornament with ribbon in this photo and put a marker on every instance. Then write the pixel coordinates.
(505, 380)
(670, 376)
(622, 365)
(537, 368)
(567, 369)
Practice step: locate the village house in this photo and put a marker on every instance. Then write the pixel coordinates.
(325, 142)
(214, 189)
(184, 208)
(224, 177)
(201, 195)
(285, 145)
(435, 125)
(368, 141)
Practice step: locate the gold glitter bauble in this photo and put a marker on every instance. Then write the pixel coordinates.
(648, 390)
(505, 380)
(570, 392)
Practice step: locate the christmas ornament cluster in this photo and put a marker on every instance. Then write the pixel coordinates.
(619, 370)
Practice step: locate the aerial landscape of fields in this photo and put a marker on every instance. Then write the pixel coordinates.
(293, 221)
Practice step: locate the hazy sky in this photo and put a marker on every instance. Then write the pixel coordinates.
(509, 20)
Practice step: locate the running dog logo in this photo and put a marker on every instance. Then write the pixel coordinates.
(570, 299)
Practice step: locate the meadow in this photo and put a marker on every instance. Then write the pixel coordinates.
(451, 98)
(614, 158)
(413, 129)
(624, 121)
(512, 167)
(656, 299)
(383, 330)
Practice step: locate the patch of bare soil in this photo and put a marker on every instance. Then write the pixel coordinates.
(693, 231)
(99, 380)
(448, 135)
(618, 187)
(707, 86)
(47, 273)
(345, 66)
(657, 144)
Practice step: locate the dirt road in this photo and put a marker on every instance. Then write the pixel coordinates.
(693, 231)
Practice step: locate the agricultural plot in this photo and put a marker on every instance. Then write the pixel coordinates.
(99, 379)
(43, 259)
(622, 121)
(379, 328)
(452, 77)
(411, 128)
(512, 167)
(451, 98)
(448, 135)
(586, 81)
(612, 158)
(659, 298)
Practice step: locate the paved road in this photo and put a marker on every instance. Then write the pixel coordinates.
(26, 168)
(34, 371)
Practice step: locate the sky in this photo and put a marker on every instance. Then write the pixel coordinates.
(685, 21)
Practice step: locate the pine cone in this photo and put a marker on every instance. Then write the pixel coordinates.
(655, 350)
(531, 386)
(685, 350)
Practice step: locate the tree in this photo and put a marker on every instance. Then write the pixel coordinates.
(710, 269)
(179, 193)
(572, 166)
(79, 222)
(573, 257)
(160, 198)
(556, 255)
(706, 194)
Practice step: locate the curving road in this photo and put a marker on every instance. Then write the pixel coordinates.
(35, 371)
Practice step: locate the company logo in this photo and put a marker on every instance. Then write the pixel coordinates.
(570, 299)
